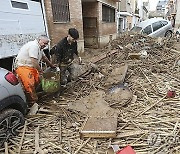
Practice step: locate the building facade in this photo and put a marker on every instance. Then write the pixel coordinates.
(127, 15)
(143, 7)
(173, 12)
(94, 19)
(99, 22)
(62, 15)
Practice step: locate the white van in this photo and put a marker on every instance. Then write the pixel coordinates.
(20, 22)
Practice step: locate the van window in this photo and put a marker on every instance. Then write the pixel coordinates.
(20, 5)
(147, 30)
(156, 25)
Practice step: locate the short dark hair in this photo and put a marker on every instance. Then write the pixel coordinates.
(73, 33)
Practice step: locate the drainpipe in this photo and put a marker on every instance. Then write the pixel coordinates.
(45, 21)
(44, 16)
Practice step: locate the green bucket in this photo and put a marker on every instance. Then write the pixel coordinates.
(50, 82)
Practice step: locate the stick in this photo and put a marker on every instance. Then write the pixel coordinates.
(6, 147)
(177, 59)
(69, 145)
(60, 130)
(37, 148)
(153, 86)
(82, 145)
(58, 147)
(11, 152)
(94, 146)
(148, 108)
(22, 138)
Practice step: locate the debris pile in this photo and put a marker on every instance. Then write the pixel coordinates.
(130, 79)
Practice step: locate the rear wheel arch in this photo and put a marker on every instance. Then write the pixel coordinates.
(14, 102)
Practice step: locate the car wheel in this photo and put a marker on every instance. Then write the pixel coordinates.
(10, 121)
(168, 34)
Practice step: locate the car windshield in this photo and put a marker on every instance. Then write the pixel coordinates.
(136, 29)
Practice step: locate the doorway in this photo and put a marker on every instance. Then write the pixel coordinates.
(90, 32)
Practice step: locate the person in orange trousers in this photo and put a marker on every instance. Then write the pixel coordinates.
(27, 66)
(30, 79)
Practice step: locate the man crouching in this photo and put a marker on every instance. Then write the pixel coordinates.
(28, 69)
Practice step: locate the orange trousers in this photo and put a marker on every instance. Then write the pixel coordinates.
(29, 77)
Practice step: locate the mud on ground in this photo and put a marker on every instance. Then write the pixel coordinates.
(149, 122)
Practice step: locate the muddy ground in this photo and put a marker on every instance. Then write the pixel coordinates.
(147, 119)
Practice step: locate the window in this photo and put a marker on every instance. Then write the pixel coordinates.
(60, 10)
(108, 14)
(136, 29)
(147, 30)
(19, 5)
(164, 23)
(156, 25)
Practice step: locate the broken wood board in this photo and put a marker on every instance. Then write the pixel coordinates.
(102, 56)
(33, 109)
(134, 55)
(100, 127)
(117, 76)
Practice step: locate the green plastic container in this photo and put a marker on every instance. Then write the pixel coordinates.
(51, 82)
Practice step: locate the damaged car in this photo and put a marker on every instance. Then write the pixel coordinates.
(13, 105)
(155, 27)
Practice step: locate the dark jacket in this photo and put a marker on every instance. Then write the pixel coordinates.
(65, 51)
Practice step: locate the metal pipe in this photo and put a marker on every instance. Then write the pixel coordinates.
(44, 16)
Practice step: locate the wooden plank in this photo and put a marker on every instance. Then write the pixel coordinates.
(102, 56)
(100, 127)
(117, 76)
(134, 55)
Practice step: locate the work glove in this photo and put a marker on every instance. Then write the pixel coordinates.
(80, 60)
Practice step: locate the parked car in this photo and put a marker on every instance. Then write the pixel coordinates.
(155, 27)
(13, 105)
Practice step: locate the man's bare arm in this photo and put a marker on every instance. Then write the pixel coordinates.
(36, 64)
(45, 59)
